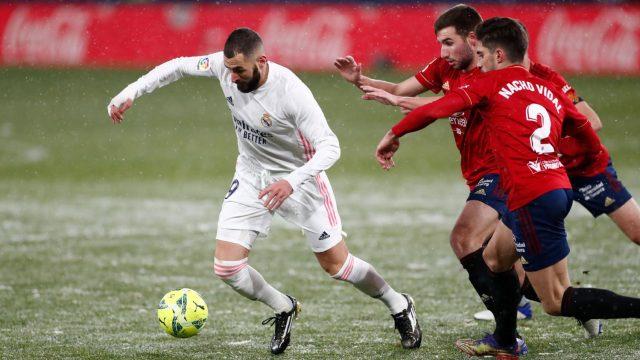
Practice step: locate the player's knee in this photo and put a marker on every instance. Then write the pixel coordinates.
(464, 241)
(227, 270)
(459, 240)
(552, 307)
(331, 268)
(552, 302)
(334, 259)
(635, 236)
(494, 263)
(335, 269)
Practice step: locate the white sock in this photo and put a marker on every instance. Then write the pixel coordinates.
(248, 282)
(366, 279)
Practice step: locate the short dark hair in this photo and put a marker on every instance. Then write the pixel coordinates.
(507, 33)
(463, 18)
(242, 41)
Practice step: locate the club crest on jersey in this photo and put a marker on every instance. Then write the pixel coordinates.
(266, 120)
(203, 64)
(445, 86)
(230, 100)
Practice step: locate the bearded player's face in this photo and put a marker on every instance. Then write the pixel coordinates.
(454, 48)
(244, 72)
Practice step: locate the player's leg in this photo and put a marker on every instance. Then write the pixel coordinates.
(323, 229)
(242, 218)
(542, 242)
(340, 264)
(500, 255)
(231, 265)
(550, 284)
(475, 224)
(627, 217)
(559, 298)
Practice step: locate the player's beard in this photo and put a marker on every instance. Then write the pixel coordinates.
(465, 60)
(251, 84)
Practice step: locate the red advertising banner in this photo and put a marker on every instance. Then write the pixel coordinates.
(577, 39)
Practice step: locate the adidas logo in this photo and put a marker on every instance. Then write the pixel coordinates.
(480, 192)
(608, 201)
(324, 236)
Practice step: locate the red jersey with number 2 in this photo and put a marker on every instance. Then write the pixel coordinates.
(591, 168)
(524, 118)
(476, 156)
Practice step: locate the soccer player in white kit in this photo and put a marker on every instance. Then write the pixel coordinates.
(285, 145)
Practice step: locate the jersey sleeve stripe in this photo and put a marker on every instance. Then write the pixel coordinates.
(306, 146)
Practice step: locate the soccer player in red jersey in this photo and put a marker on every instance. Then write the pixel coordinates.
(525, 118)
(456, 66)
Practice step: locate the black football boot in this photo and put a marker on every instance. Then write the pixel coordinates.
(407, 324)
(283, 323)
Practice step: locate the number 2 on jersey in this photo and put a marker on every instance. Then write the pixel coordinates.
(535, 111)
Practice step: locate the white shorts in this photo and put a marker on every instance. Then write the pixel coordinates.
(312, 207)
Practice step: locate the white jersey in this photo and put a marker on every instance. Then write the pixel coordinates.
(280, 126)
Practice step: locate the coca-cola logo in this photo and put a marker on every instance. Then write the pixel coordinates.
(59, 38)
(312, 43)
(605, 43)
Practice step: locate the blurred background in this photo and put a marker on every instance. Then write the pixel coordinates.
(98, 221)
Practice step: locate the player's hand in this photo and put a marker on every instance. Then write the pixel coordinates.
(379, 95)
(349, 69)
(117, 112)
(276, 194)
(386, 149)
(405, 110)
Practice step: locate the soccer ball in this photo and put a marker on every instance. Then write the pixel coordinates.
(182, 313)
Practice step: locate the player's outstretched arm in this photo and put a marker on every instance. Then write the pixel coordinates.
(351, 71)
(414, 121)
(160, 76)
(424, 115)
(407, 103)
